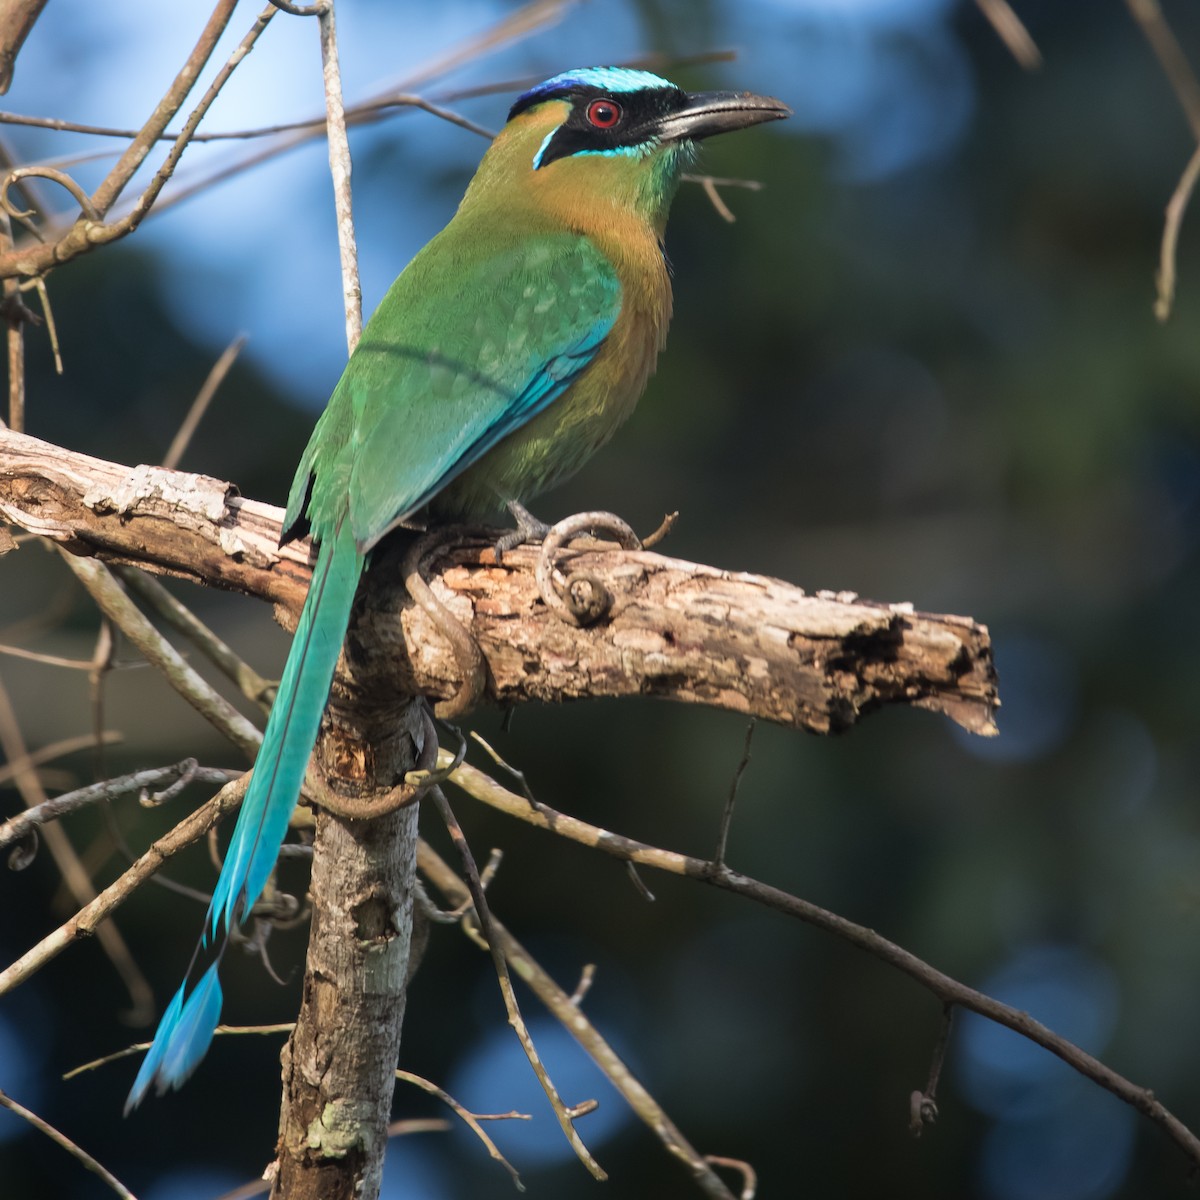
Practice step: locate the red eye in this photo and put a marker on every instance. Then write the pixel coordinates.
(603, 114)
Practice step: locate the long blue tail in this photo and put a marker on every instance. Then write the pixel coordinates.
(187, 1027)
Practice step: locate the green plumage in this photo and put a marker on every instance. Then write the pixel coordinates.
(435, 383)
(506, 353)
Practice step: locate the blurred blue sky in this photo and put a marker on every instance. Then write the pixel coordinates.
(1054, 1136)
(884, 81)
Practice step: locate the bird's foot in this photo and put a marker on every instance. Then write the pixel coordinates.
(529, 529)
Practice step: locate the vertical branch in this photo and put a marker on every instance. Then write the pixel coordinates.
(14, 337)
(339, 1064)
(339, 170)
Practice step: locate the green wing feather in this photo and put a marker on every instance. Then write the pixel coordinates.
(463, 350)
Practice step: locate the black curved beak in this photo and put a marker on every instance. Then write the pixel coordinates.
(707, 113)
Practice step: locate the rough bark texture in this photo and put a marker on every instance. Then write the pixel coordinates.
(17, 18)
(674, 629)
(666, 628)
(339, 1064)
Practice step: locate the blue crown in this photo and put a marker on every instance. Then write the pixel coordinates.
(607, 79)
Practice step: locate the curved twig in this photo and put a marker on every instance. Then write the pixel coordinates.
(177, 776)
(93, 915)
(86, 208)
(466, 649)
(471, 1120)
(576, 1023)
(1176, 207)
(354, 808)
(581, 597)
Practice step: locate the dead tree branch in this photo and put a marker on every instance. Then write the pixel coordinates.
(17, 18)
(675, 630)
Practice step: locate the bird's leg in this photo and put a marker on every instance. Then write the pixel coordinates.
(529, 529)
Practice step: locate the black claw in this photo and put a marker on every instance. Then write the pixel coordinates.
(529, 529)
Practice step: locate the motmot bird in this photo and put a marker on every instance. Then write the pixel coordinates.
(508, 350)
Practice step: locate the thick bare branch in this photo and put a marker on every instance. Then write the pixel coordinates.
(675, 629)
(17, 18)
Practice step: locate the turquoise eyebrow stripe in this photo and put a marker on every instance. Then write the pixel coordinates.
(638, 150)
(537, 158)
(609, 79)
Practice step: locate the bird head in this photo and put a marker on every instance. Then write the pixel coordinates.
(614, 133)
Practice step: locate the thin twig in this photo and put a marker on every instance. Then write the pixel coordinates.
(71, 745)
(141, 1047)
(639, 884)
(51, 327)
(300, 10)
(586, 978)
(710, 184)
(364, 113)
(14, 338)
(947, 989)
(1171, 58)
(103, 661)
(471, 1120)
(87, 210)
(135, 154)
(76, 1152)
(181, 618)
(15, 828)
(47, 660)
(576, 1023)
(668, 523)
(743, 1168)
(1176, 207)
(85, 235)
(1011, 32)
(530, 18)
(731, 799)
(92, 917)
(81, 238)
(75, 876)
(483, 915)
(714, 198)
(339, 170)
(179, 443)
(922, 1106)
(116, 605)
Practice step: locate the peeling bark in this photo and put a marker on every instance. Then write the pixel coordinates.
(667, 628)
(675, 630)
(339, 1064)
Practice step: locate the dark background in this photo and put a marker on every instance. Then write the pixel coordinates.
(923, 366)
